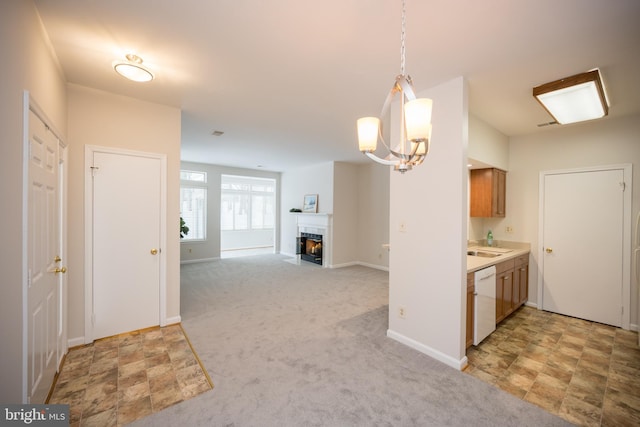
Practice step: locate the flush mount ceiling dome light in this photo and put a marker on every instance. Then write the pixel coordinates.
(574, 99)
(415, 122)
(133, 69)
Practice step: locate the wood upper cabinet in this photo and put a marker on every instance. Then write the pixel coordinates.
(470, 308)
(488, 189)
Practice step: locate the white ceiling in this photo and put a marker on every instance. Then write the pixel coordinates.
(285, 80)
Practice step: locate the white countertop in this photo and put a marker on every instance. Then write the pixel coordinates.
(506, 251)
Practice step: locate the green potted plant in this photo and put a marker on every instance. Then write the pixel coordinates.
(184, 230)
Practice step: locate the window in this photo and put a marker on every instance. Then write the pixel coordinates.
(193, 176)
(193, 203)
(247, 203)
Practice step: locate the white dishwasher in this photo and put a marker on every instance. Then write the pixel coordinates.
(484, 313)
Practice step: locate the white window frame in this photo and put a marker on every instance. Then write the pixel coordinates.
(199, 184)
(250, 193)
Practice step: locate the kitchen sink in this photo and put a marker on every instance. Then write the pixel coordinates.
(482, 254)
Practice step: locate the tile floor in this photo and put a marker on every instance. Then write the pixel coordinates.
(584, 372)
(119, 379)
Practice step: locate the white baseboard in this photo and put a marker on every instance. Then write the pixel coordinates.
(75, 342)
(531, 304)
(173, 320)
(195, 261)
(431, 352)
(343, 265)
(633, 327)
(377, 267)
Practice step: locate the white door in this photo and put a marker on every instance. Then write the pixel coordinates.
(43, 260)
(582, 238)
(126, 250)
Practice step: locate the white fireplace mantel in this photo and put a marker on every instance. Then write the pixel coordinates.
(317, 223)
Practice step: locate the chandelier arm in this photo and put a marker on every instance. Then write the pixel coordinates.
(408, 157)
(381, 161)
(407, 87)
(385, 108)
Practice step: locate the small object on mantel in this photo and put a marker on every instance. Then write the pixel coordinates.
(295, 210)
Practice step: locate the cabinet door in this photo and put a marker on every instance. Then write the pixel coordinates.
(498, 202)
(499, 300)
(470, 313)
(507, 292)
(523, 281)
(515, 291)
(488, 190)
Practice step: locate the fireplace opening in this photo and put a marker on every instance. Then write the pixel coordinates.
(310, 247)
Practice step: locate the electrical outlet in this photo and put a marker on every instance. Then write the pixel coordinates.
(402, 312)
(402, 227)
(509, 229)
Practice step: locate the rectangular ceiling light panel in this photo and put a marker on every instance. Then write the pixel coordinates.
(574, 99)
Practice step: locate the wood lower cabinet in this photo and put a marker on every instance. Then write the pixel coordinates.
(504, 289)
(470, 308)
(521, 278)
(512, 290)
(512, 285)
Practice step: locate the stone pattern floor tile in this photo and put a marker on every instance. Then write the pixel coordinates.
(582, 371)
(117, 380)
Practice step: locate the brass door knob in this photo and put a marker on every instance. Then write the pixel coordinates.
(154, 251)
(60, 270)
(549, 250)
(57, 259)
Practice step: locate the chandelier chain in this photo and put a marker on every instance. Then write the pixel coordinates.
(402, 37)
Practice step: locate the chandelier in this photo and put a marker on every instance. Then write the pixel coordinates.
(415, 122)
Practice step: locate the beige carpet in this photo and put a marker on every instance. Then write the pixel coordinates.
(298, 345)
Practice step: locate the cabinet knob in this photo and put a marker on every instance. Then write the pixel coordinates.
(549, 250)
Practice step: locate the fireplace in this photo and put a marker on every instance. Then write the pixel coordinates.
(309, 247)
(314, 228)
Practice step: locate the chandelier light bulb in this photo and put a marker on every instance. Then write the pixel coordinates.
(417, 116)
(368, 134)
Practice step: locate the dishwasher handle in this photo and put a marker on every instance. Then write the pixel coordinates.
(487, 277)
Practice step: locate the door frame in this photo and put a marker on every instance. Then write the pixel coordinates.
(626, 232)
(63, 287)
(88, 232)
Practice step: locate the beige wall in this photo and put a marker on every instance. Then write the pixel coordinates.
(373, 214)
(357, 196)
(602, 142)
(345, 213)
(487, 145)
(295, 183)
(103, 119)
(28, 64)
(428, 263)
